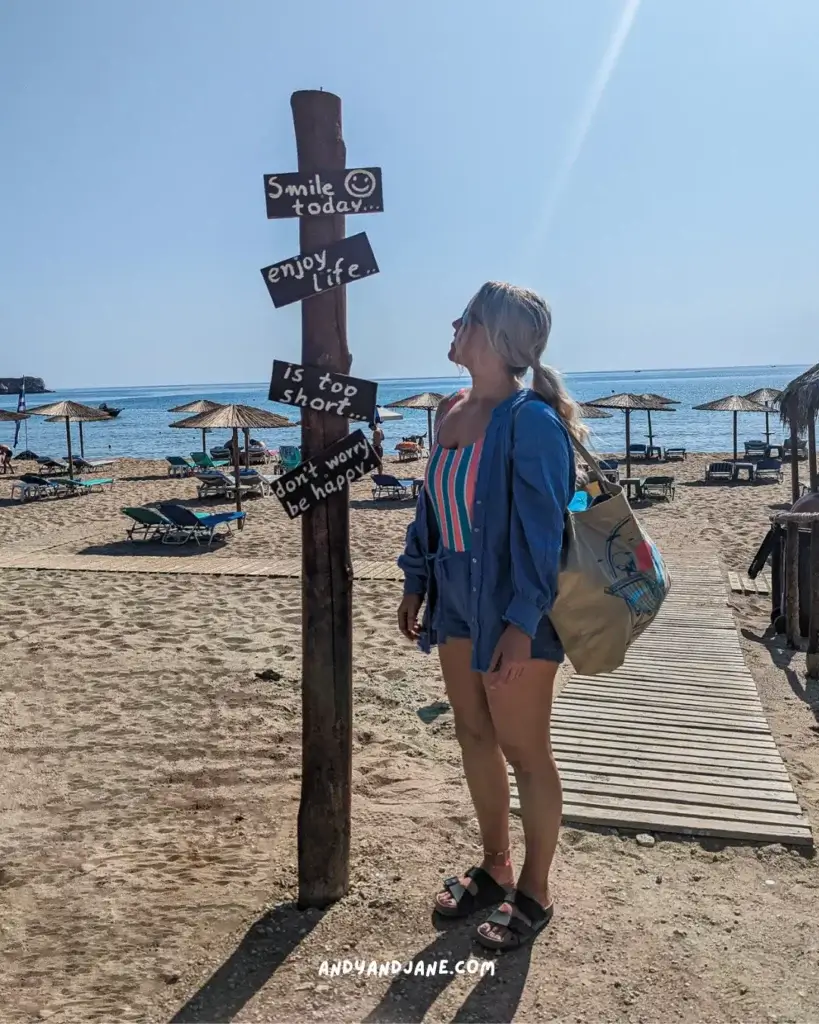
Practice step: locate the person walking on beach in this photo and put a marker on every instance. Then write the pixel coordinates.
(5, 458)
(484, 552)
(378, 441)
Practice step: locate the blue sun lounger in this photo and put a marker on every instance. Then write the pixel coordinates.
(190, 526)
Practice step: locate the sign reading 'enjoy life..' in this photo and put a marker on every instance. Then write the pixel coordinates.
(332, 472)
(324, 193)
(309, 387)
(311, 273)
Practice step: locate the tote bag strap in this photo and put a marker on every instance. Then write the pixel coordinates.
(606, 486)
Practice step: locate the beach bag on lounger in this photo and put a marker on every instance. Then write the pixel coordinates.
(612, 580)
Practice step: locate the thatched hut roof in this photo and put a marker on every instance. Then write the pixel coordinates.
(765, 396)
(426, 400)
(76, 412)
(659, 399)
(799, 402)
(235, 417)
(630, 402)
(12, 417)
(199, 406)
(731, 403)
(593, 412)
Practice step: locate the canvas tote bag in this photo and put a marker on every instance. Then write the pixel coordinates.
(612, 580)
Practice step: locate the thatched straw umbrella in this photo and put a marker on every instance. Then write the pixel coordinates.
(591, 412)
(629, 403)
(769, 397)
(429, 400)
(195, 408)
(235, 418)
(655, 400)
(735, 404)
(71, 412)
(798, 408)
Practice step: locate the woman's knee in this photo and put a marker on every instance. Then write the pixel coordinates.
(475, 730)
(527, 757)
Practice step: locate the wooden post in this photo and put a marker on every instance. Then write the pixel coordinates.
(628, 442)
(237, 475)
(324, 811)
(736, 415)
(204, 447)
(792, 584)
(650, 432)
(68, 442)
(247, 446)
(814, 482)
(813, 628)
(82, 443)
(794, 463)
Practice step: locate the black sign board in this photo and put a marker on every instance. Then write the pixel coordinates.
(324, 193)
(308, 387)
(311, 273)
(333, 471)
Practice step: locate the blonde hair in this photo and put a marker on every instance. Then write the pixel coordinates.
(517, 322)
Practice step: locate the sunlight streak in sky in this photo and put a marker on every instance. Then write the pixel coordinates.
(581, 129)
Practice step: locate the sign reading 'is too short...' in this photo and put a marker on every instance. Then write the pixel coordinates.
(324, 193)
(311, 273)
(308, 387)
(331, 472)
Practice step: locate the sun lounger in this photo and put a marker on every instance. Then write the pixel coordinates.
(801, 450)
(204, 461)
(719, 471)
(190, 526)
(676, 453)
(610, 469)
(178, 466)
(31, 487)
(221, 454)
(385, 486)
(290, 457)
(256, 482)
(768, 470)
(87, 486)
(756, 449)
(148, 522)
(660, 487)
(638, 451)
(52, 465)
(90, 465)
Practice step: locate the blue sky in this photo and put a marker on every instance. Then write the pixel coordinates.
(681, 229)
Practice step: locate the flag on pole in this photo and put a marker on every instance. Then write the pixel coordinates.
(21, 407)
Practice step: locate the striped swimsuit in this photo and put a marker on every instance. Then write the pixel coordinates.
(450, 482)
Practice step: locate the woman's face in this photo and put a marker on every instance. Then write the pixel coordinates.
(469, 341)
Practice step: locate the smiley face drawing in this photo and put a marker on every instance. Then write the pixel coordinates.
(360, 184)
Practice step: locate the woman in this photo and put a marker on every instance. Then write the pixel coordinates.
(5, 458)
(378, 441)
(484, 551)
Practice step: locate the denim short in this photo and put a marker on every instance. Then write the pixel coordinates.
(452, 611)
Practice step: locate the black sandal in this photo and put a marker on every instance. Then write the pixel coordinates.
(519, 929)
(482, 892)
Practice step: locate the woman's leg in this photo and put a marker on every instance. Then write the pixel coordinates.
(521, 714)
(483, 762)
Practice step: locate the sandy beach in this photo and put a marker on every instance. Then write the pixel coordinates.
(149, 785)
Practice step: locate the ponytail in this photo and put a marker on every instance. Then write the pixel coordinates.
(548, 384)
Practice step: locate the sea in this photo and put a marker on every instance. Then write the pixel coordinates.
(142, 430)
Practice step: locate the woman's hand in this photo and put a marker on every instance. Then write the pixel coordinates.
(514, 650)
(408, 616)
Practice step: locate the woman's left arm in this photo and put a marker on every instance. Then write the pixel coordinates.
(542, 487)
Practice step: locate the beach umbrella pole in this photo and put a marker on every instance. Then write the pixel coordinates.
(237, 473)
(628, 442)
(204, 445)
(736, 417)
(767, 428)
(429, 430)
(814, 483)
(650, 433)
(82, 442)
(247, 446)
(68, 442)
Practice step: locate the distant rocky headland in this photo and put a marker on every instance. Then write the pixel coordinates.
(12, 385)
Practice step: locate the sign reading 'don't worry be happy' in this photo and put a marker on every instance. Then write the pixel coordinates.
(331, 472)
(309, 387)
(324, 193)
(311, 273)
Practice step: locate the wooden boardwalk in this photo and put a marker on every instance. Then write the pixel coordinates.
(193, 563)
(676, 740)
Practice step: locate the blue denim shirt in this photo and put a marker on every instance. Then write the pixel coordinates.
(526, 479)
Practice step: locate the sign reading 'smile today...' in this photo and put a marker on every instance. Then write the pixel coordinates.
(309, 387)
(331, 472)
(324, 193)
(312, 273)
